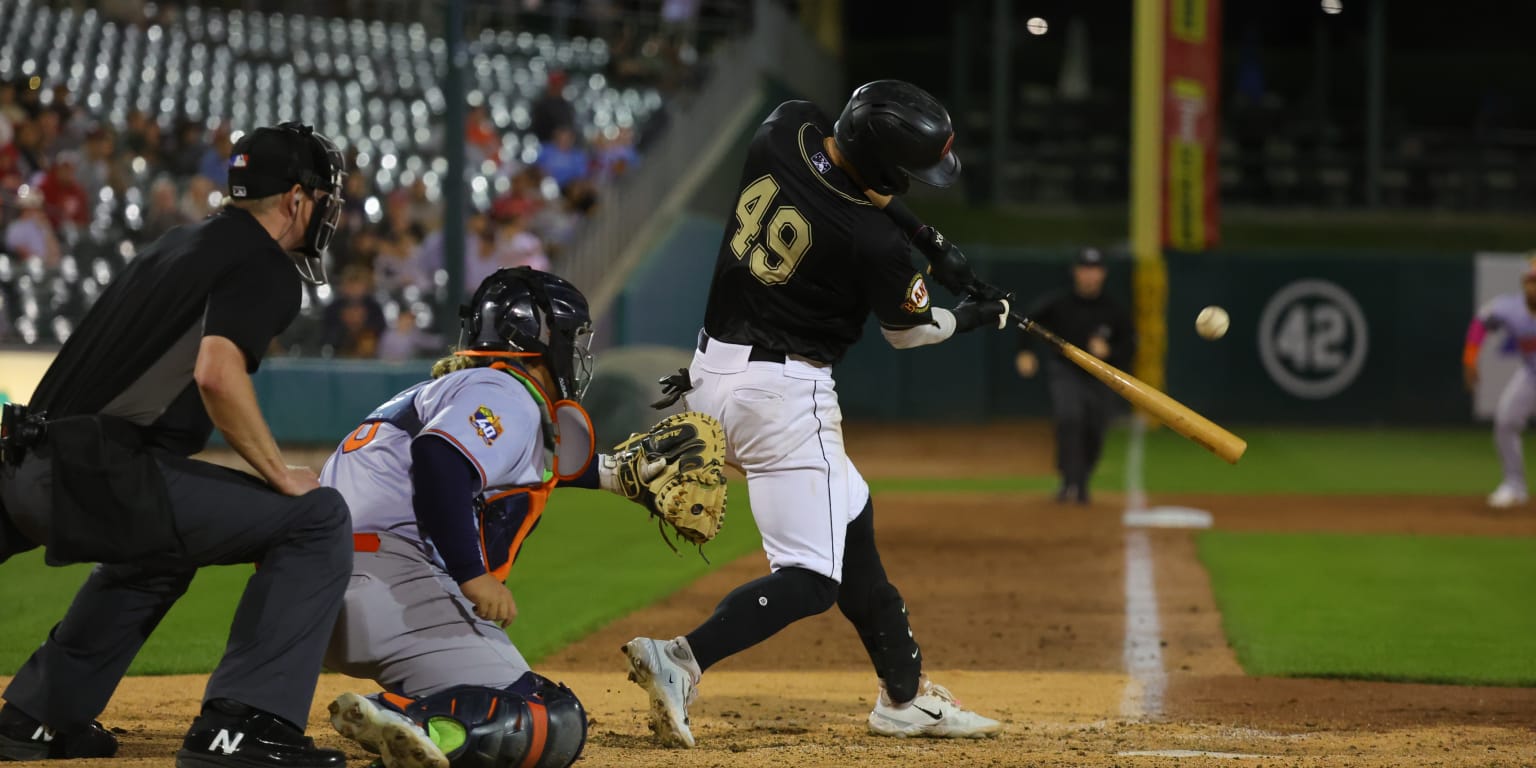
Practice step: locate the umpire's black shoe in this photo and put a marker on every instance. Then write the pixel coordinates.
(231, 735)
(24, 738)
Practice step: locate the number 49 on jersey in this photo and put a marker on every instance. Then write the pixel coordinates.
(788, 235)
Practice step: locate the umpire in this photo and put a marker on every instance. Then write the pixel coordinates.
(1080, 404)
(97, 470)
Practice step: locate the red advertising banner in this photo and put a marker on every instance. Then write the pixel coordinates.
(1191, 131)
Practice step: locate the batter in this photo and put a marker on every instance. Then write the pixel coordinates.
(1515, 315)
(808, 257)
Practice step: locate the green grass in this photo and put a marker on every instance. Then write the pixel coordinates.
(1320, 460)
(1280, 460)
(595, 557)
(1401, 608)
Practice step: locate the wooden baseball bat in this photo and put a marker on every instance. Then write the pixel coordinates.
(1175, 414)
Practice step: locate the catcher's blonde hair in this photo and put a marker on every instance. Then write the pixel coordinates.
(463, 359)
(456, 362)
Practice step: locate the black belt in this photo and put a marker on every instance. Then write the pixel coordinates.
(757, 355)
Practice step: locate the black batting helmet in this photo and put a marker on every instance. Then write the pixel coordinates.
(524, 311)
(893, 131)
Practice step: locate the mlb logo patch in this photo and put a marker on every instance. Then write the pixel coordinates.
(239, 161)
(821, 162)
(237, 191)
(486, 423)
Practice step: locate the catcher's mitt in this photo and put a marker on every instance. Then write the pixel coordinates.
(688, 493)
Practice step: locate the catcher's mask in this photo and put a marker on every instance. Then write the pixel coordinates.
(268, 161)
(524, 312)
(893, 131)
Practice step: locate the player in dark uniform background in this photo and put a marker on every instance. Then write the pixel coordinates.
(1080, 404)
(807, 256)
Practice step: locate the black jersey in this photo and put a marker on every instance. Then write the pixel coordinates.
(134, 352)
(806, 257)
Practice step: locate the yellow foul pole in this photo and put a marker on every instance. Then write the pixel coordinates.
(1151, 273)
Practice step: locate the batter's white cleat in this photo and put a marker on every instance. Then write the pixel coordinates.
(395, 738)
(1506, 496)
(933, 714)
(670, 686)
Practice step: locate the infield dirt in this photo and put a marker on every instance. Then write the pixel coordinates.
(1019, 606)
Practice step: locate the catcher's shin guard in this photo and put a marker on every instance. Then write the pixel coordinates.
(875, 608)
(534, 722)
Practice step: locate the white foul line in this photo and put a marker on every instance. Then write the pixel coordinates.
(1143, 698)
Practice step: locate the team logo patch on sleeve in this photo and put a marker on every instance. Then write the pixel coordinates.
(917, 296)
(486, 423)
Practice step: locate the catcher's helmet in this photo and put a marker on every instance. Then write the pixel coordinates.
(523, 310)
(892, 131)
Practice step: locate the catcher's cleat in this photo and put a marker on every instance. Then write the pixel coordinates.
(669, 685)
(934, 713)
(381, 730)
(23, 738)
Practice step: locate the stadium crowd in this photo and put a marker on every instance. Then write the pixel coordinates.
(57, 161)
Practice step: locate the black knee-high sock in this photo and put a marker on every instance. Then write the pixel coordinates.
(869, 600)
(755, 611)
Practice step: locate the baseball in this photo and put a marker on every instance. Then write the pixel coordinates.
(1212, 323)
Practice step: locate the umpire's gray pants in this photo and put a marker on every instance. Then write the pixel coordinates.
(303, 550)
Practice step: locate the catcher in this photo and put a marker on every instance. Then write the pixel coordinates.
(446, 481)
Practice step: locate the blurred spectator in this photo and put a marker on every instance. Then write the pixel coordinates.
(680, 19)
(49, 139)
(399, 232)
(558, 224)
(551, 111)
(30, 236)
(480, 255)
(163, 214)
(524, 198)
(615, 155)
(405, 340)
(481, 137)
(29, 155)
(517, 247)
(354, 223)
(27, 98)
(73, 121)
(95, 169)
(10, 107)
(398, 264)
(215, 162)
(136, 133)
(186, 156)
(63, 197)
(560, 158)
(200, 198)
(354, 320)
(10, 164)
(424, 214)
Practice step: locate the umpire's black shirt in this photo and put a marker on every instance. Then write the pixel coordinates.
(1078, 319)
(133, 354)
